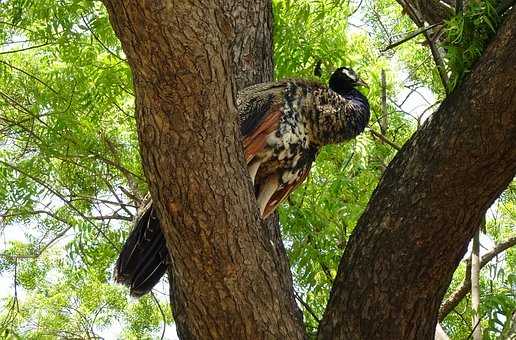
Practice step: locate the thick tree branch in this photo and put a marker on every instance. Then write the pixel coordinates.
(456, 297)
(415, 230)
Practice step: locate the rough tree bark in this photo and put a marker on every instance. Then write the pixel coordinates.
(252, 55)
(227, 281)
(416, 227)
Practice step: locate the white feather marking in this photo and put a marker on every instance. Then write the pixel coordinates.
(253, 169)
(266, 191)
(351, 75)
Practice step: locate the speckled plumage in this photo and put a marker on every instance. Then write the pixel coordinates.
(283, 124)
(309, 115)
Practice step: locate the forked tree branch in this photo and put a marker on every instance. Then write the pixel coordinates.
(409, 36)
(456, 297)
(418, 19)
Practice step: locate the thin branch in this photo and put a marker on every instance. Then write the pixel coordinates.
(459, 6)
(16, 26)
(100, 42)
(14, 103)
(409, 36)
(380, 22)
(400, 110)
(383, 121)
(454, 298)
(503, 6)
(29, 75)
(461, 316)
(307, 307)
(439, 62)
(40, 251)
(16, 285)
(25, 49)
(385, 139)
(35, 212)
(475, 286)
(162, 315)
(6, 43)
(110, 217)
(100, 200)
(356, 9)
(62, 198)
(107, 182)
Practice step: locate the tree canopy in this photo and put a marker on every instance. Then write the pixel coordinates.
(71, 178)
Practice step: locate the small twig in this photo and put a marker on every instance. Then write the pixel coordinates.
(162, 315)
(350, 157)
(100, 42)
(380, 22)
(383, 121)
(307, 307)
(409, 36)
(16, 26)
(63, 199)
(16, 285)
(110, 217)
(29, 75)
(40, 251)
(439, 62)
(135, 197)
(356, 9)
(25, 49)
(503, 6)
(475, 328)
(459, 6)
(461, 317)
(385, 139)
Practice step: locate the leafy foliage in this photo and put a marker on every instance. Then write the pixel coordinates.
(69, 169)
(467, 34)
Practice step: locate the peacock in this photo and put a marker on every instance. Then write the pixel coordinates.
(284, 124)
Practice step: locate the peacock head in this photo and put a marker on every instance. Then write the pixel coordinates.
(344, 79)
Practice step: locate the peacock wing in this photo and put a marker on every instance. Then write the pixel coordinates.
(260, 111)
(280, 195)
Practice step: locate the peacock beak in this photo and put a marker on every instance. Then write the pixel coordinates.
(360, 82)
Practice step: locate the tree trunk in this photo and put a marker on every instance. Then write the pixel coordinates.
(431, 199)
(475, 286)
(228, 281)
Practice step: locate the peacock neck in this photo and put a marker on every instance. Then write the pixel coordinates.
(342, 88)
(338, 116)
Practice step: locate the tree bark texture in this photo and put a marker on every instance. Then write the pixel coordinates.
(431, 199)
(228, 282)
